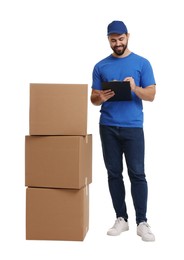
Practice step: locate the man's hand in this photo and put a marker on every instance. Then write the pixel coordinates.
(147, 93)
(132, 83)
(106, 94)
(100, 96)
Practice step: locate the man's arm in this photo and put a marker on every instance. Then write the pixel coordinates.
(147, 94)
(100, 96)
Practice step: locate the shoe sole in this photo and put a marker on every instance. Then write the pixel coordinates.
(146, 240)
(117, 234)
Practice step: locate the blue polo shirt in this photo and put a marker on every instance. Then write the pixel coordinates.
(123, 113)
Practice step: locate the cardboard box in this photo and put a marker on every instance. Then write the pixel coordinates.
(57, 214)
(58, 109)
(58, 161)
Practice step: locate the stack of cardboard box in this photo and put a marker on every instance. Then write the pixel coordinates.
(58, 163)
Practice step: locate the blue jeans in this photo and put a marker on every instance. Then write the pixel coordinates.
(116, 142)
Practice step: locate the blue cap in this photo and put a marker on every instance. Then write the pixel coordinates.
(116, 27)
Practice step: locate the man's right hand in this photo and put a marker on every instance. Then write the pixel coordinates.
(100, 96)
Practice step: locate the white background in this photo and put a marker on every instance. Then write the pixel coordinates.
(52, 41)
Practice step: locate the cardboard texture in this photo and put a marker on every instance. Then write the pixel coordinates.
(57, 214)
(58, 109)
(58, 161)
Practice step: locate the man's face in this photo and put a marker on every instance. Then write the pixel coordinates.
(118, 43)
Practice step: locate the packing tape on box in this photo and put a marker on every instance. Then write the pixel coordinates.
(86, 185)
(86, 139)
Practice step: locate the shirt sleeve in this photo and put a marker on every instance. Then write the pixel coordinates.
(147, 75)
(96, 79)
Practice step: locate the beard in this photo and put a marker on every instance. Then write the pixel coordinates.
(119, 50)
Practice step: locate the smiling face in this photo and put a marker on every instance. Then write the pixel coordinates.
(119, 44)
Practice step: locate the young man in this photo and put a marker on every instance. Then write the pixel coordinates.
(121, 127)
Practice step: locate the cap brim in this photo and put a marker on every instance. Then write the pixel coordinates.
(117, 32)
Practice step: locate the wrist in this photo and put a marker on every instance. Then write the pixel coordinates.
(135, 88)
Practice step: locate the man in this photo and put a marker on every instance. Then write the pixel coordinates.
(121, 127)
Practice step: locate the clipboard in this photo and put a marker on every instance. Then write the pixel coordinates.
(121, 88)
